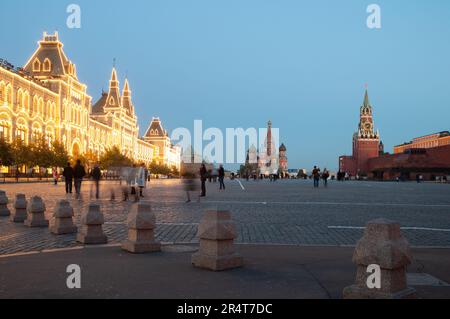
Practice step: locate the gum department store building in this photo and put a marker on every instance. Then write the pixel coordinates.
(45, 98)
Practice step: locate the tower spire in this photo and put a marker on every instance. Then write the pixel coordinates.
(366, 98)
(126, 97)
(113, 92)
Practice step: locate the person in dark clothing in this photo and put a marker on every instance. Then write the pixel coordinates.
(221, 177)
(96, 176)
(203, 178)
(68, 177)
(78, 175)
(316, 176)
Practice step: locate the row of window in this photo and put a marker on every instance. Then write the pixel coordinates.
(44, 67)
(38, 106)
(22, 134)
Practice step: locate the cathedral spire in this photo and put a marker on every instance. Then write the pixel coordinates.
(269, 138)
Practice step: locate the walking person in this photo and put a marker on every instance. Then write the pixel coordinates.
(68, 178)
(190, 185)
(96, 176)
(55, 176)
(325, 177)
(141, 179)
(203, 179)
(78, 174)
(316, 176)
(221, 177)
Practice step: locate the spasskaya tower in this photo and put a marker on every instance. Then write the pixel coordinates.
(366, 143)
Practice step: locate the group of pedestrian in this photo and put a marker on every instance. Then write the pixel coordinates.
(74, 176)
(136, 181)
(317, 175)
(191, 186)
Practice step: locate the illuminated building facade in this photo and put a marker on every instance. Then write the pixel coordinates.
(45, 98)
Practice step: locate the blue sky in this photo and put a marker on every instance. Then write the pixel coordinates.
(239, 63)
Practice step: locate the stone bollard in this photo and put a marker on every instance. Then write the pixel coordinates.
(217, 233)
(383, 246)
(4, 210)
(62, 219)
(20, 209)
(36, 213)
(141, 235)
(91, 232)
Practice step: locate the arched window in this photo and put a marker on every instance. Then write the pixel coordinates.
(5, 128)
(21, 130)
(41, 106)
(36, 65)
(36, 133)
(35, 104)
(48, 110)
(26, 101)
(2, 92)
(8, 94)
(19, 98)
(47, 65)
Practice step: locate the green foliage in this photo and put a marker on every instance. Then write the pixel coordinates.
(114, 158)
(6, 157)
(60, 155)
(158, 169)
(21, 153)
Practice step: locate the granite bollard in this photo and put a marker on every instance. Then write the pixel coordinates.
(20, 209)
(382, 245)
(91, 232)
(62, 222)
(4, 210)
(36, 213)
(141, 230)
(217, 232)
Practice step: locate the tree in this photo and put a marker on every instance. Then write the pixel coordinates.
(6, 158)
(21, 153)
(42, 154)
(114, 158)
(60, 155)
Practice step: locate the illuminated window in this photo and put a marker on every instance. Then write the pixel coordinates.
(8, 94)
(21, 134)
(36, 66)
(2, 93)
(111, 101)
(35, 104)
(47, 65)
(4, 132)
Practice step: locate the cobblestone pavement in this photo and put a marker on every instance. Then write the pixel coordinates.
(285, 212)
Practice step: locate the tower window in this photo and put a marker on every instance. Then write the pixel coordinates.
(36, 66)
(47, 65)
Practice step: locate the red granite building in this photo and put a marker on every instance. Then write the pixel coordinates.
(430, 163)
(366, 144)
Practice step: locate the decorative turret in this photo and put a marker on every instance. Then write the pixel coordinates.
(113, 99)
(127, 104)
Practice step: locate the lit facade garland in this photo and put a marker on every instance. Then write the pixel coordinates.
(47, 99)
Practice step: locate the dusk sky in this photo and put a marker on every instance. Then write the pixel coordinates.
(239, 63)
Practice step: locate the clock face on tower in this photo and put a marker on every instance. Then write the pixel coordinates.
(368, 126)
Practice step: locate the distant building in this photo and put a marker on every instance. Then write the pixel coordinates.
(266, 161)
(426, 162)
(366, 144)
(424, 142)
(427, 156)
(283, 160)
